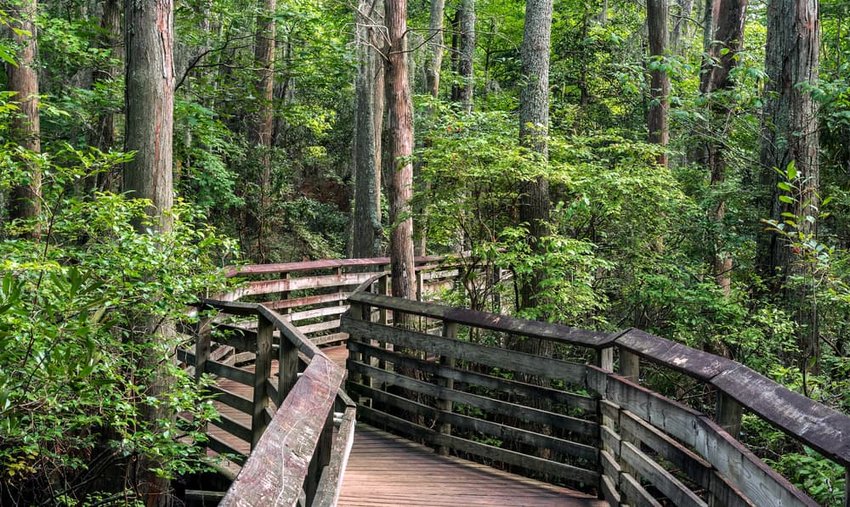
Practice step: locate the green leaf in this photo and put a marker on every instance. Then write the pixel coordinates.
(786, 199)
(791, 171)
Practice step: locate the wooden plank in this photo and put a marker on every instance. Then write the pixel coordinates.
(329, 338)
(290, 332)
(232, 400)
(233, 427)
(319, 326)
(317, 299)
(571, 373)
(317, 312)
(300, 283)
(289, 441)
(292, 267)
(693, 466)
(610, 467)
(503, 385)
(221, 447)
(330, 485)
(231, 307)
(696, 363)
(546, 331)
(501, 431)
(231, 372)
(651, 471)
(815, 424)
(634, 493)
(610, 492)
(238, 337)
(760, 483)
(493, 406)
(572, 474)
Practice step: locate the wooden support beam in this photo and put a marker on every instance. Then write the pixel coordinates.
(605, 358)
(449, 331)
(287, 363)
(262, 370)
(629, 365)
(729, 413)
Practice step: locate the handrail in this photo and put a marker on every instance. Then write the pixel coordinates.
(809, 422)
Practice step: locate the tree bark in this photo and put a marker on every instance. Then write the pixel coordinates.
(435, 63)
(534, 131)
(369, 112)
(263, 128)
(149, 103)
(680, 25)
(659, 92)
(721, 58)
(25, 199)
(400, 127)
(467, 54)
(790, 133)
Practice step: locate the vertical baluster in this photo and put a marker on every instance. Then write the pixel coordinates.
(629, 365)
(729, 413)
(449, 331)
(262, 371)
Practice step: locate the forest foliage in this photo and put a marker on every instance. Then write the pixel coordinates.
(629, 242)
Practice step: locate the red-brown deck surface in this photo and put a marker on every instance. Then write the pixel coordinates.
(387, 470)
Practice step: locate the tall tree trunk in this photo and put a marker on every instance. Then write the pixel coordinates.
(400, 128)
(721, 58)
(369, 111)
(149, 103)
(533, 134)
(790, 134)
(104, 135)
(263, 128)
(455, 53)
(680, 25)
(25, 199)
(435, 63)
(467, 53)
(659, 89)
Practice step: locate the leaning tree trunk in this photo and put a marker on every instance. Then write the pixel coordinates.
(533, 134)
(263, 125)
(25, 198)
(149, 103)
(400, 150)
(790, 134)
(467, 53)
(369, 111)
(659, 89)
(721, 58)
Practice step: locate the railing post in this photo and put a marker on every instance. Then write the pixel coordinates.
(629, 365)
(203, 343)
(729, 413)
(444, 405)
(321, 459)
(262, 371)
(420, 285)
(287, 368)
(605, 358)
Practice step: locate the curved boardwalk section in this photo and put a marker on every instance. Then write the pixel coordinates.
(386, 470)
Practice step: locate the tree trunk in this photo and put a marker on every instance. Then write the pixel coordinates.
(534, 132)
(680, 25)
(149, 103)
(435, 63)
(25, 199)
(400, 128)
(659, 90)
(790, 133)
(104, 135)
(369, 111)
(721, 58)
(467, 53)
(263, 127)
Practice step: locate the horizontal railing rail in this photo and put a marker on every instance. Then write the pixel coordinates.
(703, 462)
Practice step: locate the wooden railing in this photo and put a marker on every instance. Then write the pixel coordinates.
(574, 423)
(282, 432)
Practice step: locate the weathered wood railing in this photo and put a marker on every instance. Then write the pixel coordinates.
(588, 426)
(282, 431)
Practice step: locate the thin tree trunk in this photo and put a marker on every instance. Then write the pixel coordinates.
(25, 199)
(721, 59)
(263, 128)
(400, 127)
(467, 54)
(790, 133)
(369, 110)
(149, 103)
(104, 135)
(533, 134)
(659, 92)
(680, 25)
(435, 63)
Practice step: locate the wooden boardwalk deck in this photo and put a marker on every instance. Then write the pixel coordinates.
(386, 470)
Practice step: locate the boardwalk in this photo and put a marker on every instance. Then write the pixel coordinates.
(386, 470)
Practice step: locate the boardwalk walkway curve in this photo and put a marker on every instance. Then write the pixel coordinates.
(289, 412)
